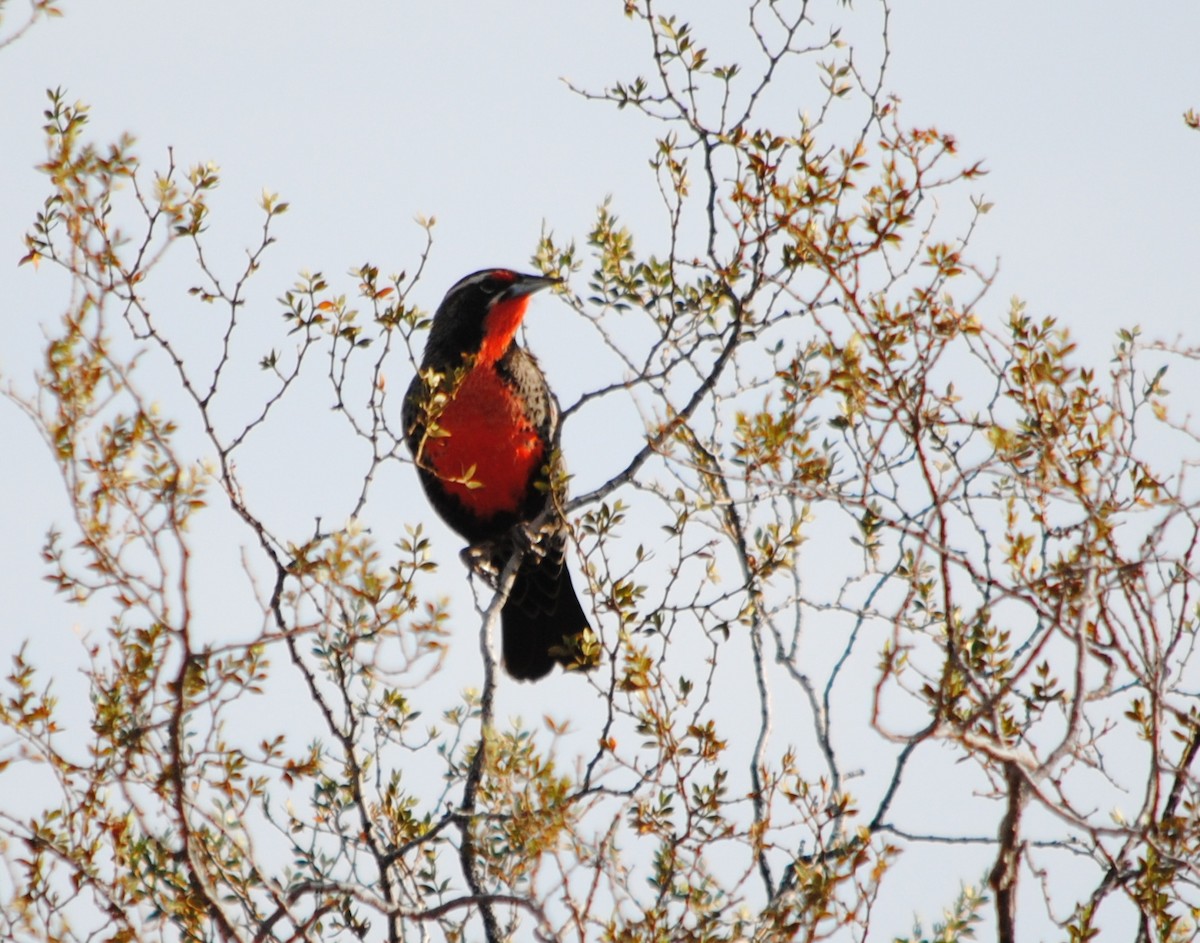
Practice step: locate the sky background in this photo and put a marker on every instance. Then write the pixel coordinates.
(365, 114)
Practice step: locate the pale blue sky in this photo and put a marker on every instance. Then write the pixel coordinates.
(365, 114)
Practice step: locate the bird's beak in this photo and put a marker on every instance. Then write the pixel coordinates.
(528, 284)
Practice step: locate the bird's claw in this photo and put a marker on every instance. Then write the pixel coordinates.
(529, 538)
(481, 558)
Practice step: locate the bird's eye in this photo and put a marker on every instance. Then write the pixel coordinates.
(491, 286)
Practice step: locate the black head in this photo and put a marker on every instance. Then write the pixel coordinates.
(480, 315)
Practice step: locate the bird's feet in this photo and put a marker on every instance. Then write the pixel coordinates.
(489, 557)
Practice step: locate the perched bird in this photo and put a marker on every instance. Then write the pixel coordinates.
(482, 426)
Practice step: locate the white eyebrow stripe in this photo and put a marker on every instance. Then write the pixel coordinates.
(475, 278)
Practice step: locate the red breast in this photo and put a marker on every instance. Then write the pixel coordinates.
(488, 452)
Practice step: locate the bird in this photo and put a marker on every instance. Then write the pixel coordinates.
(483, 428)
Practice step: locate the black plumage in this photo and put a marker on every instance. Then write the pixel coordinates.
(483, 428)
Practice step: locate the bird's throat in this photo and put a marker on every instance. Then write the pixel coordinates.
(500, 327)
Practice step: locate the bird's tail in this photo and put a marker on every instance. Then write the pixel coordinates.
(542, 622)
